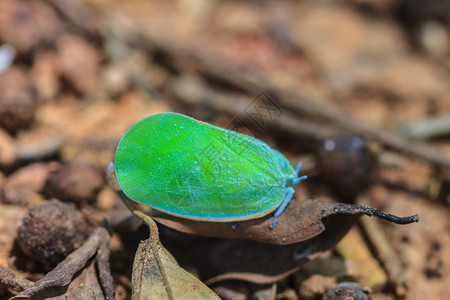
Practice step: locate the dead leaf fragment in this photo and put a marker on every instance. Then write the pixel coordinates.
(302, 220)
(157, 275)
(218, 259)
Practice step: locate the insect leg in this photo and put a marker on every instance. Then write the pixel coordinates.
(297, 180)
(299, 166)
(289, 193)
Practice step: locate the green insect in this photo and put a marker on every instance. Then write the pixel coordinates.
(195, 170)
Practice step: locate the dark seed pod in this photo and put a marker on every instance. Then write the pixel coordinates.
(75, 182)
(347, 290)
(346, 166)
(51, 231)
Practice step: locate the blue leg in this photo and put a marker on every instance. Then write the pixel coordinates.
(299, 166)
(289, 193)
(297, 171)
(297, 180)
(235, 225)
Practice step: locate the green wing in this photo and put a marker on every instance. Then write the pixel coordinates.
(196, 170)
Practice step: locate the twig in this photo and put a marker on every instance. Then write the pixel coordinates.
(370, 211)
(104, 270)
(62, 274)
(14, 281)
(193, 92)
(429, 128)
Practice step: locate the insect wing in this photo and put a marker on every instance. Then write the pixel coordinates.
(196, 170)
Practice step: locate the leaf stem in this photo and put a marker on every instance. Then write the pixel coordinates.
(370, 211)
(145, 218)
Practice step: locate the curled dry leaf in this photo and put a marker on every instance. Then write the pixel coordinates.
(257, 253)
(157, 275)
(218, 259)
(83, 286)
(302, 220)
(305, 230)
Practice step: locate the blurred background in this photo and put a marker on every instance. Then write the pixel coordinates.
(357, 89)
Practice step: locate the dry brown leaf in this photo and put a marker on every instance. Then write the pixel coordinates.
(302, 220)
(219, 259)
(157, 275)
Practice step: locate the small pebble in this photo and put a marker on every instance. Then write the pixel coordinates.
(347, 291)
(18, 99)
(79, 63)
(25, 182)
(315, 286)
(7, 149)
(7, 56)
(106, 199)
(75, 182)
(39, 143)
